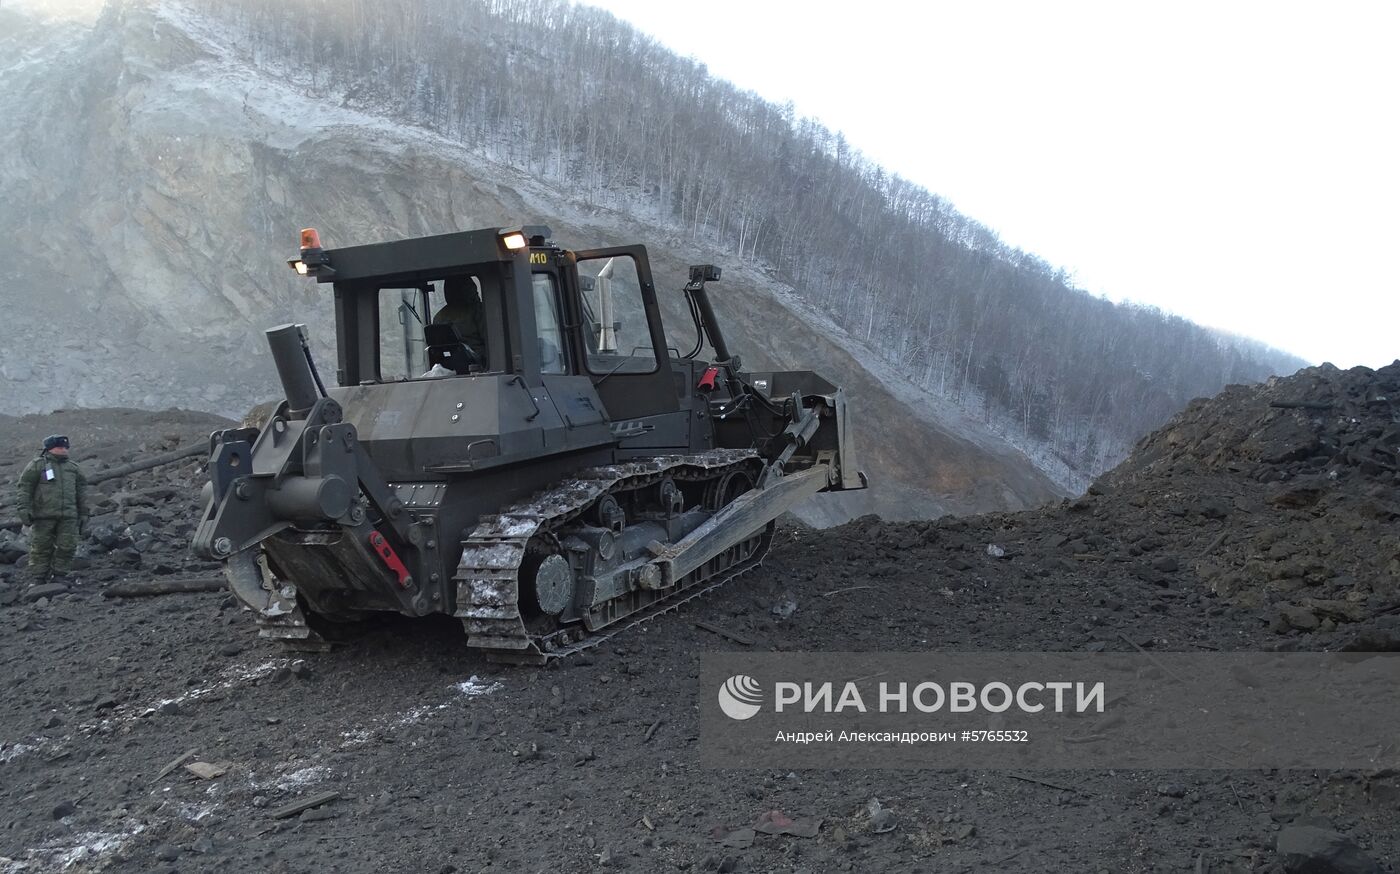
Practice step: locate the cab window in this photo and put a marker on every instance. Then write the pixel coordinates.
(401, 346)
(439, 328)
(617, 334)
(548, 324)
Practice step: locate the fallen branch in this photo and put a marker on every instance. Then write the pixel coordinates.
(651, 730)
(848, 589)
(1215, 544)
(164, 587)
(1047, 784)
(725, 633)
(1151, 658)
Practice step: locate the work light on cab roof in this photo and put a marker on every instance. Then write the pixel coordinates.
(514, 240)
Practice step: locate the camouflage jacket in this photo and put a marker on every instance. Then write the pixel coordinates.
(61, 494)
(469, 321)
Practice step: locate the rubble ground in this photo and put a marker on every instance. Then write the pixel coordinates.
(160, 734)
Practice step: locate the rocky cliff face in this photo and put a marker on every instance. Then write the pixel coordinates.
(136, 204)
(151, 186)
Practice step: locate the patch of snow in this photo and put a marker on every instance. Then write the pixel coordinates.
(10, 752)
(417, 714)
(475, 687)
(234, 676)
(197, 812)
(303, 777)
(91, 850)
(519, 527)
(293, 778)
(277, 103)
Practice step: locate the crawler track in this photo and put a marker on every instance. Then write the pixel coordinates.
(488, 575)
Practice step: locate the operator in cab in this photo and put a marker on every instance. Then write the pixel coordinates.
(463, 310)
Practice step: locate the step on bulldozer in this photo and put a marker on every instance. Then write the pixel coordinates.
(513, 441)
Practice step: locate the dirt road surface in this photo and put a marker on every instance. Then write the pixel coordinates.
(409, 753)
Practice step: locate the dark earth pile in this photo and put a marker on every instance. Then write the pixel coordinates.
(441, 762)
(1281, 497)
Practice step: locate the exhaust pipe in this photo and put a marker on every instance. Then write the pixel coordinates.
(292, 356)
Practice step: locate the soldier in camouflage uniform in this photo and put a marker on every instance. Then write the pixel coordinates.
(53, 500)
(463, 310)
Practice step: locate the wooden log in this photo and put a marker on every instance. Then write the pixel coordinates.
(151, 588)
(184, 757)
(197, 450)
(305, 804)
(1299, 405)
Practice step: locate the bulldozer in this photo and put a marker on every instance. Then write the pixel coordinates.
(536, 459)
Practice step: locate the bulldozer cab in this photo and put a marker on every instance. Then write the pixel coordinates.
(466, 304)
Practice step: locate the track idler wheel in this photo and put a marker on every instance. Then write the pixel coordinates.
(554, 584)
(548, 575)
(721, 491)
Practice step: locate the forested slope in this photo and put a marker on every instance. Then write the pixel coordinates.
(570, 94)
(153, 178)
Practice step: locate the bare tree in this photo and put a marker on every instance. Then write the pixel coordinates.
(576, 97)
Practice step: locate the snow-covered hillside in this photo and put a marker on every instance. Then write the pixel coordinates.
(152, 182)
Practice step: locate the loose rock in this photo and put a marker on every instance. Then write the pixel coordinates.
(1312, 850)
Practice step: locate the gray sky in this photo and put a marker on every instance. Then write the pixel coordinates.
(1237, 163)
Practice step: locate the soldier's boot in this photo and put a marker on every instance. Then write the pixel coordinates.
(38, 570)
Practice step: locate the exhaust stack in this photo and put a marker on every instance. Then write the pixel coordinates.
(292, 356)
